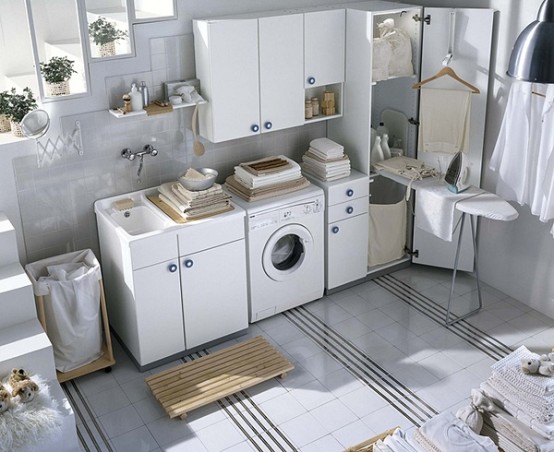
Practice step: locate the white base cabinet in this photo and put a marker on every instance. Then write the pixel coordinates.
(175, 290)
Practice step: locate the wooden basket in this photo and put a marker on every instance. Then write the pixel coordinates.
(105, 361)
(367, 446)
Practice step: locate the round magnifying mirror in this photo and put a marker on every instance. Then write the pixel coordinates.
(35, 124)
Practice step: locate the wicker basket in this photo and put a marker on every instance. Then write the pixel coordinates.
(107, 49)
(4, 124)
(57, 88)
(16, 129)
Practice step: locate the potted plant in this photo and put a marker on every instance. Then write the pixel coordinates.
(104, 34)
(4, 111)
(57, 73)
(18, 106)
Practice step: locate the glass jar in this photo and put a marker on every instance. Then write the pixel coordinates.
(308, 111)
(315, 106)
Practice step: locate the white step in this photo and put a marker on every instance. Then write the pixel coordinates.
(26, 345)
(17, 301)
(8, 241)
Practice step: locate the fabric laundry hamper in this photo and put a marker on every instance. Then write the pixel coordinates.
(387, 221)
(70, 291)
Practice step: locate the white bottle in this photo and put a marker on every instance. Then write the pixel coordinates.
(385, 146)
(382, 129)
(373, 135)
(136, 98)
(376, 155)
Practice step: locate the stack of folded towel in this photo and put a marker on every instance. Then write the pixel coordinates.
(192, 205)
(524, 403)
(266, 178)
(326, 160)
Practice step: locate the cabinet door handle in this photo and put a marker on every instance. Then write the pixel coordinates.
(172, 268)
(188, 263)
(349, 192)
(255, 128)
(311, 80)
(335, 229)
(349, 209)
(268, 125)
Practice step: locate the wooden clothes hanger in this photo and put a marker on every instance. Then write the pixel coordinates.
(450, 72)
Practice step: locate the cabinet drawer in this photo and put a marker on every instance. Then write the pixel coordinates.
(347, 209)
(211, 232)
(350, 189)
(154, 249)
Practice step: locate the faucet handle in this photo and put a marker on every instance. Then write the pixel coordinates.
(149, 149)
(127, 154)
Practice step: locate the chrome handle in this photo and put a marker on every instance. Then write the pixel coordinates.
(188, 263)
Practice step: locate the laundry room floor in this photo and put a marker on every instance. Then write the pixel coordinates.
(368, 358)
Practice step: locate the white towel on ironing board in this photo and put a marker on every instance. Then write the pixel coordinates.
(444, 120)
(435, 210)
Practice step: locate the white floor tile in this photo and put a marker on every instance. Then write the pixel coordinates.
(385, 419)
(283, 408)
(187, 444)
(149, 409)
(303, 430)
(312, 395)
(363, 401)
(440, 365)
(321, 364)
(341, 382)
(333, 415)
(328, 444)
(121, 421)
(169, 432)
(109, 400)
(138, 440)
(220, 436)
(353, 434)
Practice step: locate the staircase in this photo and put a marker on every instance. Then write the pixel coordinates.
(23, 342)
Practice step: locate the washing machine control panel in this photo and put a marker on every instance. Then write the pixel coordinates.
(284, 215)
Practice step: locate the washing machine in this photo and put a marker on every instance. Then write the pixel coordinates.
(285, 255)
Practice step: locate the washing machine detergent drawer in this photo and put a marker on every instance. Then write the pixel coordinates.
(275, 218)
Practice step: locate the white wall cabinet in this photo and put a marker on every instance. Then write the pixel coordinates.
(251, 73)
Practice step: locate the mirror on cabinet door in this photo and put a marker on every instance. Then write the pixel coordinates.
(17, 64)
(55, 32)
(154, 10)
(108, 29)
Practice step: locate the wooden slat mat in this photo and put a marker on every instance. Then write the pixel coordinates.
(220, 374)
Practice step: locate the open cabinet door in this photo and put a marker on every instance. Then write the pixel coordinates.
(471, 49)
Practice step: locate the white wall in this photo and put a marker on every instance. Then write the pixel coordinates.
(517, 257)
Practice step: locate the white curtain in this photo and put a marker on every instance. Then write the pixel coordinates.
(524, 153)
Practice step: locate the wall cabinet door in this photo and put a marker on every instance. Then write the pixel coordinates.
(213, 285)
(159, 312)
(324, 47)
(226, 54)
(346, 250)
(251, 73)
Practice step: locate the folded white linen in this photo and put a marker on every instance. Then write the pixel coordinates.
(398, 442)
(327, 146)
(190, 195)
(444, 120)
(545, 427)
(167, 192)
(435, 208)
(544, 405)
(510, 369)
(448, 433)
(251, 181)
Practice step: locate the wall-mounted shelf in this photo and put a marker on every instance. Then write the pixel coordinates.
(320, 118)
(119, 115)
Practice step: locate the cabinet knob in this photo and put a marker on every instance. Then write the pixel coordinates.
(268, 125)
(188, 263)
(172, 268)
(335, 229)
(311, 80)
(255, 128)
(349, 192)
(349, 209)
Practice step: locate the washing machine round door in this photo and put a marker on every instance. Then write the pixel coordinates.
(286, 251)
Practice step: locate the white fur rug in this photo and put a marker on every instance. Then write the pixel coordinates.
(26, 423)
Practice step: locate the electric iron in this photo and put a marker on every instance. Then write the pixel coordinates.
(457, 174)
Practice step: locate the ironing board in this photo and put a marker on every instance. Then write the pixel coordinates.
(485, 205)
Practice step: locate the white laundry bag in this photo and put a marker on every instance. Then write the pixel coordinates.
(71, 293)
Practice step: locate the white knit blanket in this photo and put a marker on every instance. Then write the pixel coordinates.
(24, 424)
(509, 368)
(543, 405)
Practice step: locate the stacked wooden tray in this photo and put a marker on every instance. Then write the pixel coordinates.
(220, 374)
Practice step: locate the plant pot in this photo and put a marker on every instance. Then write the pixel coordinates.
(4, 124)
(57, 88)
(16, 129)
(107, 49)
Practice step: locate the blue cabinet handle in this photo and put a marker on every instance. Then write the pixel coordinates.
(335, 229)
(311, 80)
(349, 192)
(188, 263)
(172, 268)
(255, 128)
(349, 209)
(268, 125)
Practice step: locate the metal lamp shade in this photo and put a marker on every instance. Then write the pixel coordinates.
(532, 58)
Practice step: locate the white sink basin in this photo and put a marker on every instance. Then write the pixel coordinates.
(133, 215)
(138, 220)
